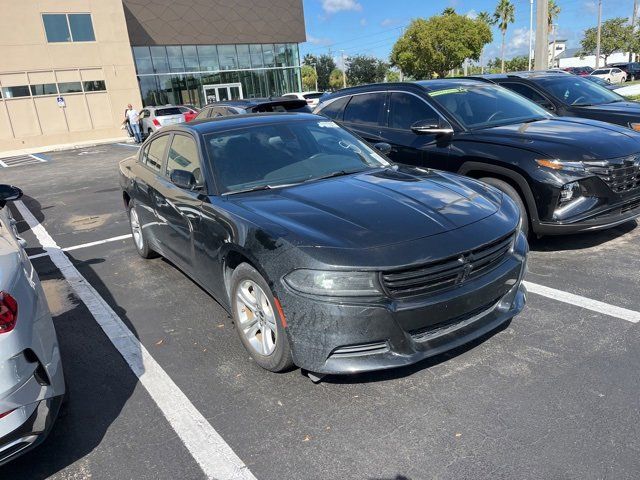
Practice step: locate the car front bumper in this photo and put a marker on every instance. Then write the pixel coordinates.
(332, 337)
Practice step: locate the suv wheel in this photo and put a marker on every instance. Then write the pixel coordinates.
(512, 193)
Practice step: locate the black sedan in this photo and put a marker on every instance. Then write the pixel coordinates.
(326, 255)
(573, 96)
(567, 175)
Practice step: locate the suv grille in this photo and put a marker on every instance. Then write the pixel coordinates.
(620, 174)
(437, 276)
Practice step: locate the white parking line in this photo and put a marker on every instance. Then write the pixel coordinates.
(128, 145)
(584, 302)
(40, 159)
(214, 456)
(85, 245)
(3, 165)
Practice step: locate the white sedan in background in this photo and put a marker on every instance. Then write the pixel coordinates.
(32, 385)
(153, 119)
(312, 98)
(611, 75)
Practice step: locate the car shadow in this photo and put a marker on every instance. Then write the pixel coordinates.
(99, 381)
(401, 372)
(581, 241)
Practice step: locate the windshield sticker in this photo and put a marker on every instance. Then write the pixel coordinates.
(448, 91)
(328, 125)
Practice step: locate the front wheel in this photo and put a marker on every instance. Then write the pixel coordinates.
(257, 321)
(513, 194)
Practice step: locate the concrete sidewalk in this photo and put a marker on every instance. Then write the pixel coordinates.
(64, 146)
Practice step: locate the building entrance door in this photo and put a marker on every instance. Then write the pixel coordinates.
(222, 92)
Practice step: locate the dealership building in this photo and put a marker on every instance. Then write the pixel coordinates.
(70, 67)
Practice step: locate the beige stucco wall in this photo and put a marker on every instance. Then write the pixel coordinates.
(25, 56)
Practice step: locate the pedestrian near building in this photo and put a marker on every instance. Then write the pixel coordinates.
(133, 117)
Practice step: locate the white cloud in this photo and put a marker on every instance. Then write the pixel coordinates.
(590, 6)
(472, 14)
(519, 40)
(363, 22)
(335, 6)
(389, 22)
(319, 41)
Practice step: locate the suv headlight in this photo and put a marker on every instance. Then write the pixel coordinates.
(635, 126)
(561, 165)
(334, 284)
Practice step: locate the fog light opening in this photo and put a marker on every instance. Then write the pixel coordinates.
(569, 191)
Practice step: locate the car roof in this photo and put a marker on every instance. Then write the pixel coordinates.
(525, 75)
(209, 125)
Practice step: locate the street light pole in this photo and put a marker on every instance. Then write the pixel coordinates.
(599, 33)
(530, 33)
(554, 27)
(315, 69)
(344, 71)
(541, 58)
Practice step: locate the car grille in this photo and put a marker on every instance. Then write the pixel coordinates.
(620, 174)
(447, 273)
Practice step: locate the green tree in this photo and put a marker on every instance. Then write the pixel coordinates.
(364, 69)
(336, 80)
(517, 64)
(309, 59)
(449, 11)
(616, 34)
(502, 17)
(439, 44)
(553, 12)
(392, 76)
(324, 65)
(309, 77)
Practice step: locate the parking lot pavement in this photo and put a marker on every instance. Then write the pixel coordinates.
(551, 395)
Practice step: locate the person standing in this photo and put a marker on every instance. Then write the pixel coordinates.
(134, 117)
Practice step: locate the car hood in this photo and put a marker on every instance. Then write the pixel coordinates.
(373, 209)
(631, 108)
(566, 138)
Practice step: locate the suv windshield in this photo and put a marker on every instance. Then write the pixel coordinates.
(275, 155)
(481, 106)
(578, 91)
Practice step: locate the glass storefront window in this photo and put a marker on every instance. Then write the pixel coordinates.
(228, 58)
(159, 59)
(244, 61)
(142, 57)
(176, 62)
(208, 55)
(268, 55)
(256, 56)
(190, 55)
(281, 56)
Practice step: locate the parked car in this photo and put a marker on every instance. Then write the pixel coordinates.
(572, 96)
(153, 119)
(189, 111)
(31, 380)
(253, 105)
(611, 75)
(632, 69)
(312, 98)
(580, 71)
(602, 83)
(327, 255)
(566, 174)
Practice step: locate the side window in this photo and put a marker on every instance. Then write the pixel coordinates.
(365, 109)
(183, 155)
(156, 149)
(405, 110)
(528, 92)
(334, 109)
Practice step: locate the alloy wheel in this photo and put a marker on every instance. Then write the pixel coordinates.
(257, 319)
(136, 229)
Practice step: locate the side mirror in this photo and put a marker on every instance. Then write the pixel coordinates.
(9, 193)
(183, 179)
(422, 127)
(383, 147)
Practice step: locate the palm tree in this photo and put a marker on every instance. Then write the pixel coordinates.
(503, 16)
(553, 12)
(449, 11)
(484, 17)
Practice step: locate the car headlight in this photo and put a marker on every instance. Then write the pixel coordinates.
(635, 126)
(334, 284)
(561, 165)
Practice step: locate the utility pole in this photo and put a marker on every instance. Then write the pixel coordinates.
(633, 26)
(599, 32)
(542, 35)
(344, 71)
(530, 33)
(315, 69)
(554, 27)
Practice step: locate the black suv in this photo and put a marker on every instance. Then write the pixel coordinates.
(566, 174)
(252, 105)
(571, 96)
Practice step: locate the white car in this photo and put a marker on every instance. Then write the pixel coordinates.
(312, 98)
(31, 380)
(153, 119)
(611, 75)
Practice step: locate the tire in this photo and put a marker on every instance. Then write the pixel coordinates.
(253, 309)
(512, 193)
(139, 240)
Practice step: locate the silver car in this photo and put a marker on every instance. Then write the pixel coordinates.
(32, 384)
(153, 119)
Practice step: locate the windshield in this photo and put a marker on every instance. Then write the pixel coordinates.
(481, 106)
(578, 91)
(286, 153)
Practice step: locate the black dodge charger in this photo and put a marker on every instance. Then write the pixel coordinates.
(327, 255)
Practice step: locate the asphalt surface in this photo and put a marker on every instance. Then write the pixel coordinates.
(553, 394)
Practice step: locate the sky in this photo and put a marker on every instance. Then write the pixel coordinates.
(371, 27)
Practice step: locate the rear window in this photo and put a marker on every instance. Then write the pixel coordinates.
(311, 96)
(164, 112)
